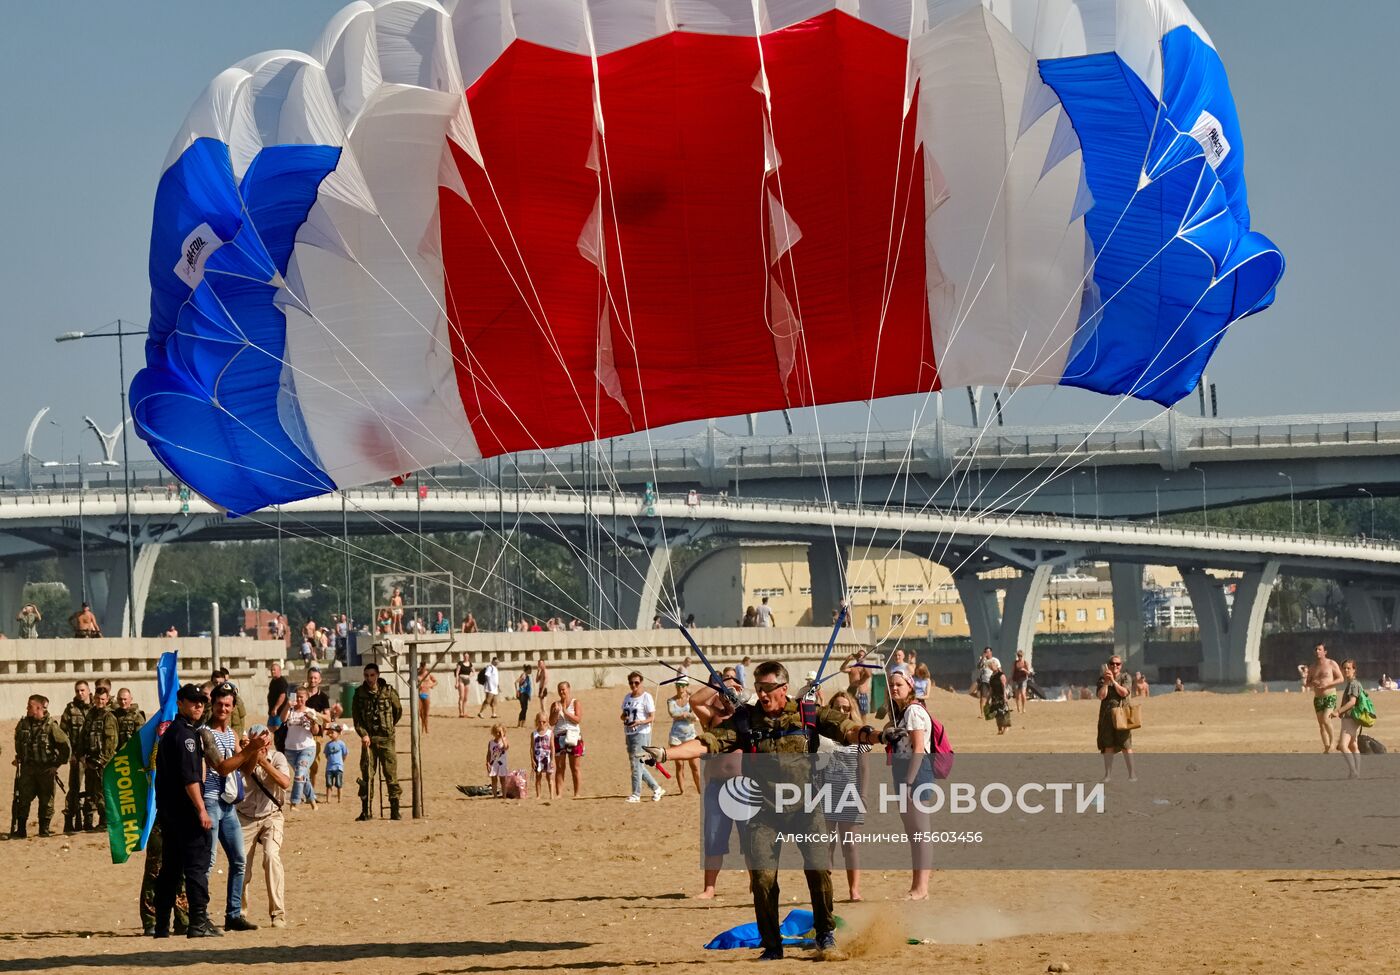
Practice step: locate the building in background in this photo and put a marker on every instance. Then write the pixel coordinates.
(894, 593)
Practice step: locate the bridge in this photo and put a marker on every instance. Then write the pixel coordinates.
(1173, 463)
(1001, 607)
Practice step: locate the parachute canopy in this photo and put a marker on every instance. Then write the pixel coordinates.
(449, 232)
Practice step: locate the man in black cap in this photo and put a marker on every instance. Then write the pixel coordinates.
(184, 822)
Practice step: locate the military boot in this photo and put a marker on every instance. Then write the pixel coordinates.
(19, 832)
(44, 829)
(68, 823)
(363, 817)
(394, 809)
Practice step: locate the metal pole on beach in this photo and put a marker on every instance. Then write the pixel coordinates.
(413, 731)
(214, 636)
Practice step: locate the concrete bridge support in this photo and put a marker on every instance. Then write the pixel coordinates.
(1230, 633)
(1374, 608)
(1129, 634)
(106, 585)
(1001, 613)
(12, 580)
(632, 595)
(826, 566)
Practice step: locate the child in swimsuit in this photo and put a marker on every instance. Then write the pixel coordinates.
(496, 750)
(542, 753)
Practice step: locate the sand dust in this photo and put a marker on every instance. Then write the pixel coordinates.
(486, 885)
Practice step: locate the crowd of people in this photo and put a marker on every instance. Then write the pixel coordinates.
(225, 784)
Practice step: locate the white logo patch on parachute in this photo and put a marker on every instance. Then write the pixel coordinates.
(1208, 132)
(189, 744)
(194, 252)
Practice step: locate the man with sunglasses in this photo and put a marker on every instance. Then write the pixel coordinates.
(775, 725)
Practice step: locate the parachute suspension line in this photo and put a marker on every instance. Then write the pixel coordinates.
(604, 174)
(887, 292)
(383, 420)
(1060, 466)
(388, 426)
(547, 329)
(382, 561)
(1041, 356)
(765, 217)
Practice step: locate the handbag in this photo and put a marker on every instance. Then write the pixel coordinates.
(1364, 713)
(1127, 717)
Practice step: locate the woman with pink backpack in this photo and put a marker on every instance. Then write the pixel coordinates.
(923, 755)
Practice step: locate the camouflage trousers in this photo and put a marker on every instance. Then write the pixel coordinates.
(32, 783)
(381, 750)
(148, 887)
(73, 801)
(93, 802)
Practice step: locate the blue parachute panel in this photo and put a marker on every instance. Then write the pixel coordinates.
(207, 402)
(1174, 260)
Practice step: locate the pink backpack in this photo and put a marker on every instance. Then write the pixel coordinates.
(940, 749)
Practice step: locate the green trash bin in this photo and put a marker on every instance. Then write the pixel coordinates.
(347, 700)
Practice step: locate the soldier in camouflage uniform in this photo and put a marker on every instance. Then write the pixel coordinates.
(376, 710)
(776, 725)
(72, 724)
(154, 846)
(40, 748)
(99, 745)
(129, 717)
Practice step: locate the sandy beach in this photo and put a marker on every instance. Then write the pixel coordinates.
(484, 885)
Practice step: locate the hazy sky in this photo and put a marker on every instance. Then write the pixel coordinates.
(94, 92)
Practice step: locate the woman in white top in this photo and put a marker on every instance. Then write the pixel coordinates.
(638, 712)
(300, 747)
(911, 769)
(566, 715)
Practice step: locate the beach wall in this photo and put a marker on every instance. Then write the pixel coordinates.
(50, 667)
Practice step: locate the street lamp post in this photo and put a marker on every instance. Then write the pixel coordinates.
(257, 597)
(1292, 510)
(120, 334)
(189, 629)
(1372, 498)
(334, 590)
(1205, 518)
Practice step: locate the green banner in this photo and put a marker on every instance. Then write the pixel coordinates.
(126, 789)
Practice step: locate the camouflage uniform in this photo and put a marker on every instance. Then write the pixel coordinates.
(99, 745)
(148, 887)
(41, 747)
(750, 730)
(72, 724)
(375, 713)
(128, 723)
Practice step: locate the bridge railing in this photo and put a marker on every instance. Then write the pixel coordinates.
(630, 505)
(806, 453)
